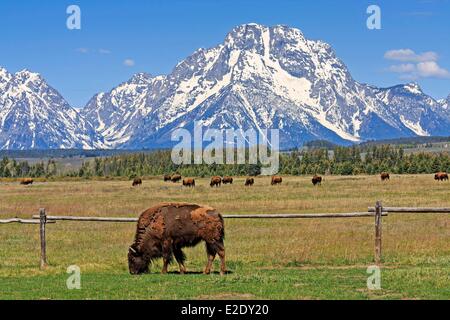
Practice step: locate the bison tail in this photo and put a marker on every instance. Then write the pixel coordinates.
(222, 231)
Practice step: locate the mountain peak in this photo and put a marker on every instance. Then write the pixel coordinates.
(140, 78)
(26, 75)
(246, 36)
(414, 88)
(5, 76)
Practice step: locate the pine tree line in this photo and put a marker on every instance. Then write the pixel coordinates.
(338, 161)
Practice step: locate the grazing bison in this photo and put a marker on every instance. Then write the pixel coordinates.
(249, 181)
(136, 182)
(441, 176)
(163, 230)
(316, 180)
(175, 178)
(276, 180)
(226, 180)
(189, 182)
(26, 181)
(167, 177)
(385, 176)
(215, 181)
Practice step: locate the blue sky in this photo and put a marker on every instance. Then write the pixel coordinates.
(153, 36)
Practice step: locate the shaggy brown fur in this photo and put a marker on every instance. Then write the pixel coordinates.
(249, 181)
(175, 178)
(385, 176)
(26, 181)
(189, 182)
(276, 180)
(167, 177)
(441, 176)
(215, 181)
(226, 180)
(136, 182)
(316, 180)
(163, 230)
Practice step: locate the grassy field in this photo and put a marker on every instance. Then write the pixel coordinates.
(267, 259)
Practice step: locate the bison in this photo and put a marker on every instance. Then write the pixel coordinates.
(215, 181)
(276, 180)
(175, 178)
(385, 176)
(26, 181)
(189, 182)
(163, 230)
(226, 180)
(136, 182)
(441, 176)
(249, 181)
(316, 180)
(167, 177)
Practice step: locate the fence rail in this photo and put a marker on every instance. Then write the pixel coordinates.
(22, 221)
(412, 210)
(226, 216)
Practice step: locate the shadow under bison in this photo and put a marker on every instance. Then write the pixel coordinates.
(162, 231)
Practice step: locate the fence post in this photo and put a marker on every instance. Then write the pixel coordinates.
(378, 214)
(43, 222)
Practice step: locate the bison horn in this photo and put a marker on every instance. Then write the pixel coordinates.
(132, 250)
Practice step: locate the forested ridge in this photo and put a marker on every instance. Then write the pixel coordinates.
(338, 161)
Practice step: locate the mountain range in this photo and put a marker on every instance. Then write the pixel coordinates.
(259, 77)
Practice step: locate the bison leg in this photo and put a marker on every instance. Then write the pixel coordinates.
(167, 255)
(212, 249)
(220, 249)
(211, 253)
(209, 263)
(223, 268)
(180, 257)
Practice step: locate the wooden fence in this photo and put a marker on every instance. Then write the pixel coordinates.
(377, 212)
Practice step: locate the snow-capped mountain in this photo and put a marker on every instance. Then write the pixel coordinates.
(117, 114)
(265, 77)
(259, 77)
(34, 115)
(417, 111)
(445, 103)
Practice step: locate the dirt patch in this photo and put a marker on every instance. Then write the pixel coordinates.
(227, 296)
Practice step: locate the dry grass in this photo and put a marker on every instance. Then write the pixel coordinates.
(408, 240)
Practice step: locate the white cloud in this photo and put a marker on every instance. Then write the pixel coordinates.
(129, 62)
(432, 69)
(94, 51)
(422, 65)
(83, 50)
(409, 55)
(403, 68)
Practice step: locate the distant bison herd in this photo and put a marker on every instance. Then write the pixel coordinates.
(217, 181)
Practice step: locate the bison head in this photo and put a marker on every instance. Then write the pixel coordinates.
(137, 264)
